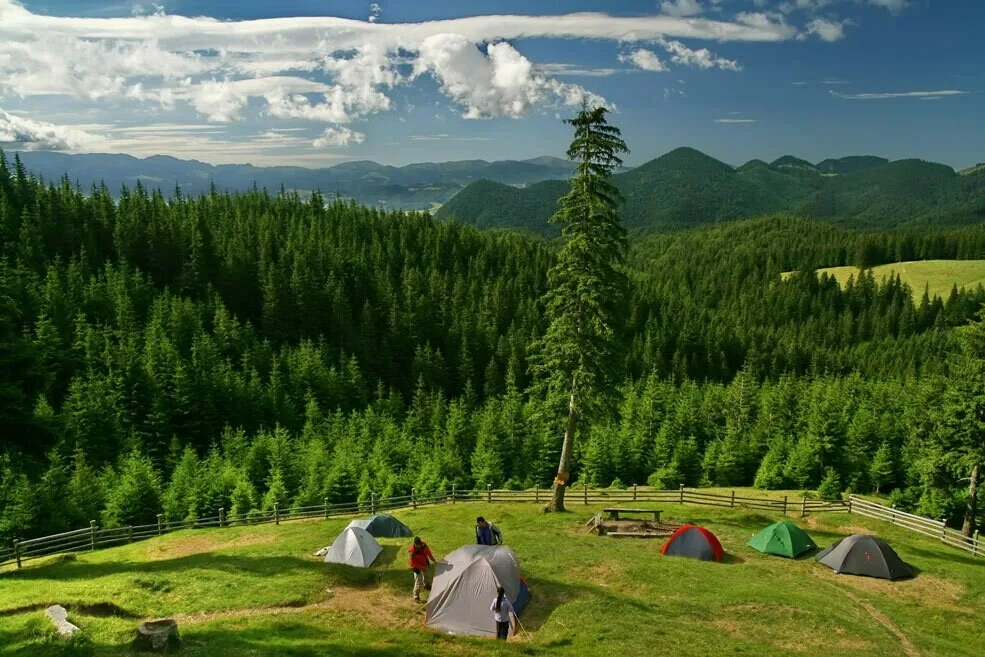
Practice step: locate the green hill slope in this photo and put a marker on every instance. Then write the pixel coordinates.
(257, 591)
(686, 188)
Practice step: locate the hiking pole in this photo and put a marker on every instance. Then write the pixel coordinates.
(529, 638)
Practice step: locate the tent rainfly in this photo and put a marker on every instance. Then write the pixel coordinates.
(465, 585)
(694, 542)
(784, 539)
(354, 547)
(861, 554)
(383, 526)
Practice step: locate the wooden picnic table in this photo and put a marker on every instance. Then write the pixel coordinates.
(614, 513)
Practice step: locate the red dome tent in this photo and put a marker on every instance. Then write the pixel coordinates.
(695, 542)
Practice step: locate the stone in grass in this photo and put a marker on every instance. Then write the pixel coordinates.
(59, 617)
(157, 636)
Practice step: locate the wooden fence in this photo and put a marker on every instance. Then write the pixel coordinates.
(93, 537)
(936, 529)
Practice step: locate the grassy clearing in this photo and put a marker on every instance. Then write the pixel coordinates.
(257, 591)
(940, 275)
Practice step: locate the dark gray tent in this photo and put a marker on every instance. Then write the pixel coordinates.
(383, 526)
(465, 585)
(866, 555)
(354, 547)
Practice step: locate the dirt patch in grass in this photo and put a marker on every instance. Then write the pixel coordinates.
(924, 590)
(905, 644)
(601, 574)
(378, 606)
(207, 543)
(729, 627)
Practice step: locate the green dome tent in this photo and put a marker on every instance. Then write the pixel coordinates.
(784, 539)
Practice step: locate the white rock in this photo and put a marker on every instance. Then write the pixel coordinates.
(59, 616)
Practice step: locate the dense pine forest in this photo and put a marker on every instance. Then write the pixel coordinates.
(238, 351)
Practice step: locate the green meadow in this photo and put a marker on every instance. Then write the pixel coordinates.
(247, 591)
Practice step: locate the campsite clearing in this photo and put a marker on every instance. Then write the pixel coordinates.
(252, 591)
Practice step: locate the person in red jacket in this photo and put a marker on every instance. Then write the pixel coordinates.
(420, 554)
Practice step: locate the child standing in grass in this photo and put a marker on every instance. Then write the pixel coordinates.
(503, 611)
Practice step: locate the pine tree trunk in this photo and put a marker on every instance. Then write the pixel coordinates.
(564, 467)
(968, 528)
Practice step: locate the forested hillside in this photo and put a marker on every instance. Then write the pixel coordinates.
(240, 351)
(686, 188)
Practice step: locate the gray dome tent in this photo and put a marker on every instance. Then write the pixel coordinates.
(866, 555)
(465, 584)
(354, 547)
(382, 525)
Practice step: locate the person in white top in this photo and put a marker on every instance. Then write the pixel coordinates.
(503, 611)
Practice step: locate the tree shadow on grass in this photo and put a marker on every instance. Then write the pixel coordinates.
(945, 554)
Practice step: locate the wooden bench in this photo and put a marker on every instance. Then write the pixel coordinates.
(614, 513)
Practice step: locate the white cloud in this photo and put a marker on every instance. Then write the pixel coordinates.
(39, 135)
(681, 7)
(644, 59)
(827, 29)
(701, 58)
(572, 70)
(375, 11)
(218, 101)
(894, 6)
(338, 137)
(904, 94)
(734, 121)
(498, 83)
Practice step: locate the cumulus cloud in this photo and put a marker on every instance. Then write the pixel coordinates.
(38, 135)
(499, 82)
(338, 137)
(902, 94)
(681, 7)
(827, 29)
(375, 11)
(644, 59)
(700, 58)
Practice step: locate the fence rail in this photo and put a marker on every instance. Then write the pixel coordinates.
(929, 527)
(94, 537)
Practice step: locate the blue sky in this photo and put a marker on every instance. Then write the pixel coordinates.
(316, 82)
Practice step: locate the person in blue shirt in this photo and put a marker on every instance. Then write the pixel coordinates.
(487, 533)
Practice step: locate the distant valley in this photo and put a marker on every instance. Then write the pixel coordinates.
(412, 187)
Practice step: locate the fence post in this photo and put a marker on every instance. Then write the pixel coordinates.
(892, 520)
(372, 502)
(536, 495)
(584, 490)
(732, 503)
(682, 493)
(850, 497)
(17, 552)
(489, 493)
(634, 492)
(453, 493)
(222, 517)
(160, 527)
(129, 533)
(326, 506)
(974, 546)
(92, 535)
(943, 529)
(413, 497)
(276, 514)
(803, 507)
(784, 505)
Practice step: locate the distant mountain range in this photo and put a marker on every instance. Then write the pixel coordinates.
(412, 187)
(687, 188)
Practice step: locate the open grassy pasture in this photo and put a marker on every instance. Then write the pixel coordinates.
(256, 591)
(940, 275)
